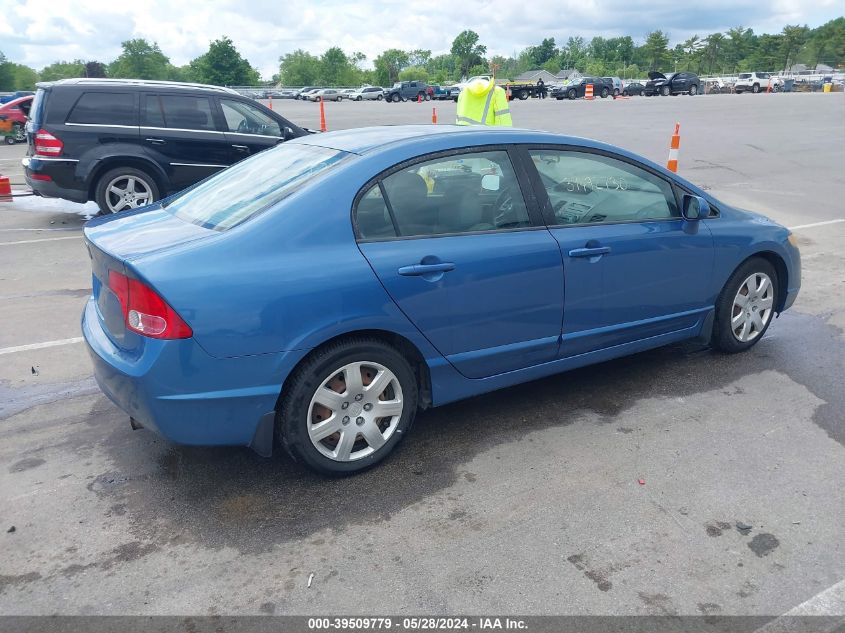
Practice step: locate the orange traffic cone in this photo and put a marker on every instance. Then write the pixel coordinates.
(434, 116)
(5, 189)
(588, 92)
(271, 101)
(419, 98)
(322, 116)
(674, 146)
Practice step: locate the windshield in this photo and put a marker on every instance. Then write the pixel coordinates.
(253, 185)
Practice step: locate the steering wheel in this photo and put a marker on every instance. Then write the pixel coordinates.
(505, 216)
(243, 127)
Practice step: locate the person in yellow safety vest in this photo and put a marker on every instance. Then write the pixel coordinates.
(482, 102)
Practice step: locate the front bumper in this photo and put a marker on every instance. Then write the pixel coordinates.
(179, 391)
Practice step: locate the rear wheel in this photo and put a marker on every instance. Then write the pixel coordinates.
(523, 95)
(571, 93)
(19, 133)
(380, 97)
(746, 305)
(693, 90)
(348, 406)
(616, 92)
(125, 188)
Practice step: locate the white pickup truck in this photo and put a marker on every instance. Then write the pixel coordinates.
(757, 82)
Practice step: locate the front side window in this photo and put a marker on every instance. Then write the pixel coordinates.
(187, 113)
(249, 187)
(244, 118)
(460, 193)
(586, 188)
(105, 108)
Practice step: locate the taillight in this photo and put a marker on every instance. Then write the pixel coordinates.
(46, 144)
(144, 311)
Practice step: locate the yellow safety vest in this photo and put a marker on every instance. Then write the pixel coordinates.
(490, 108)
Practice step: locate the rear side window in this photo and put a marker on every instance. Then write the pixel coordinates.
(105, 108)
(253, 185)
(187, 113)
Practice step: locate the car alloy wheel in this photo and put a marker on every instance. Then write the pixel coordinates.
(571, 94)
(127, 192)
(355, 411)
(19, 133)
(693, 90)
(755, 88)
(665, 91)
(752, 307)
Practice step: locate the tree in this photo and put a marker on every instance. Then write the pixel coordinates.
(299, 69)
(419, 57)
(713, 50)
(23, 77)
(692, 49)
(7, 78)
(95, 69)
(336, 69)
(388, 65)
(141, 60)
(223, 65)
(542, 54)
(412, 73)
(62, 70)
(794, 37)
(656, 50)
(468, 51)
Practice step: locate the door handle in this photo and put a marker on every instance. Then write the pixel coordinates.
(241, 148)
(156, 141)
(417, 270)
(589, 252)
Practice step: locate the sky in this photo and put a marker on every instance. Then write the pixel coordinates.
(39, 32)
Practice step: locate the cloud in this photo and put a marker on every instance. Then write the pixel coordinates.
(39, 32)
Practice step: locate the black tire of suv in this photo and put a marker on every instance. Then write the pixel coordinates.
(693, 90)
(723, 338)
(571, 93)
(396, 98)
(755, 88)
(292, 418)
(100, 191)
(605, 93)
(616, 92)
(665, 91)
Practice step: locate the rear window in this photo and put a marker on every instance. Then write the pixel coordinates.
(105, 108)
(251, 186)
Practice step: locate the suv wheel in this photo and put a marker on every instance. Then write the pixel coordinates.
(125, 188)
(604, 93)
(348, 406)
(755, 88)
(616, 92)
(571, 93)
(665, 91)
(396, 98)
(693, 90)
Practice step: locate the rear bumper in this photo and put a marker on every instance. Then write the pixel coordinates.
(63, 182)
(182, 393)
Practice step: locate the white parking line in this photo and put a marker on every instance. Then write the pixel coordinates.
(830, 602)
(26, 348)
(815, 224)
(45, 239)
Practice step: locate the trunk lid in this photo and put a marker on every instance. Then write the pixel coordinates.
(113, 242)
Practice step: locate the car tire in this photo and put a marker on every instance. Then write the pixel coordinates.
(300, 411)
(693, 90)
(396, 98)
(380, 97)
(605, 93)
(729, 308)
(571, 93)
(755, 88)
(523, 95)
(665, 91)
(19, 132)
(616, 92)
(142, 183)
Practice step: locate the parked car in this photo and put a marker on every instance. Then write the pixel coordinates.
(16, 112)
(127, 143)
(333, 361)
(755, 82)
(405, 90)
(440, 93)
(326, 94)
(346, 93)
(288, 93)
(633, 88)
(368, 93)
(15, 95)
(672, 84)
(303, 92)
(616, 82)
(601, 88)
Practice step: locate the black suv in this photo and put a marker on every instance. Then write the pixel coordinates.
(672, 84)
(601, 88)
(405, 90)
(127, 143)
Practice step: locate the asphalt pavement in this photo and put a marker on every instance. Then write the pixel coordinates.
(525, 501)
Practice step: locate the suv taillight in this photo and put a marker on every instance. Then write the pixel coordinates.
(46, 144)
(144, 311)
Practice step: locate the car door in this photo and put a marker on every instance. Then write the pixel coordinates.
(633, 267)
(467, 259)
(249, 129)
(180, 133)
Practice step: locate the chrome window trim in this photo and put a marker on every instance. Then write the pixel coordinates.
(179, 129)
(127, 127)
(197, 165)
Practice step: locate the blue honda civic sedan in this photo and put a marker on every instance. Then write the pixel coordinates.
(321, 292)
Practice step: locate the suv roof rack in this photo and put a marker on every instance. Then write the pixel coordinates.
(136, 82)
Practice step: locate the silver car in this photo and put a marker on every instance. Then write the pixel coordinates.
(367, 93)
(327, 94)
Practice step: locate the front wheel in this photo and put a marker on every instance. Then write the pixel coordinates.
(348, 406)
(755, 88)
(125, 188)
(745, 307)
(665, 91)
(604, 93)
(396, 98)
(693, 90)
(571, 94)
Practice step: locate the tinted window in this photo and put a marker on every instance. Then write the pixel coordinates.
(589, 188)
(244, 118)
(252, 185)
(187, 113)
(456, 194)
(105, 108)
(151, 113)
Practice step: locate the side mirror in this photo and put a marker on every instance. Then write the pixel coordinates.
(287, 133)
(490, 182)
(695, 208)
